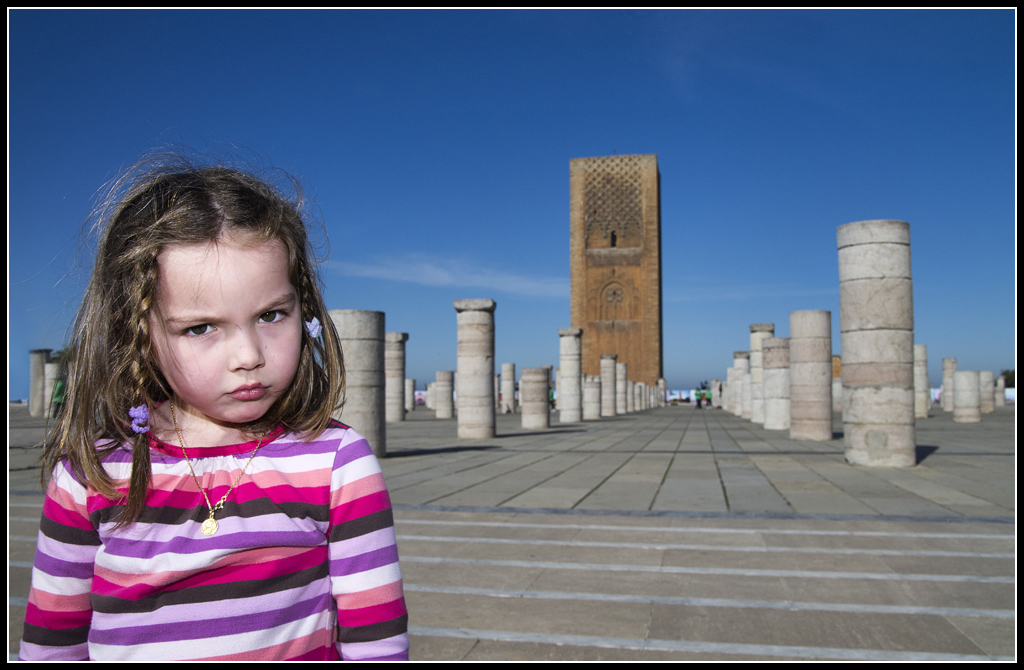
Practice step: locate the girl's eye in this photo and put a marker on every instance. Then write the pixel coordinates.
(271, 316)
(198, 330)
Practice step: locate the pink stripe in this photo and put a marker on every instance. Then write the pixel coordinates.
(371, 597)
(52, 620)
(353, 618)
(315, 646)
(364, 506)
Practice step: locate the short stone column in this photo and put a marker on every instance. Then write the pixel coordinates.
(620, 388)
(630, 396)
(50, 375)
(475, 368)
(716, 391)
(608, 384)
(837, 383)
(533, 389)
(570, 386)
(759, 332)
(430, 396)
(987, 391)
(37, 401)
(591, 397)
(966, 396)
(810, 375)
(662, 392)
(361, 334)
(508, 388)
(922, 387)
(948, 368)
(741, 362)
(728, 394)
(775, 359)
(877, 326)
(410, 395)
(394, 376)
(444, 389)
(1000, 395)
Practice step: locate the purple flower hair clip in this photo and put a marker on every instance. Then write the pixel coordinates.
(313, 328)
(140, 418)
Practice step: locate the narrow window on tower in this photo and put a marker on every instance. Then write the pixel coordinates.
(614, 240)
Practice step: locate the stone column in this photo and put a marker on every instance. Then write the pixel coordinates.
(775, 359)
(361, 334)
(508, 388)
(620, 388)
(394, 376)
(759, 332)
(570, 388)
(729, 395)
(810, 375)
(476, 368)
(987, 390)
(410, 395)
(922, 387)
(716, 391)
(591, 398)
(444, 387)
(662, 392)
(1000, 396)
(37, 360)
(430, 395)
(608, 384)
(741, 362)
(966, 396)
(948, 368)
(52, 371)
(533, 389)
(630, 396)
(877, 326)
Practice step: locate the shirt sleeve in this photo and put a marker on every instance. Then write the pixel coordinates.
(59, 612)
(366, 580)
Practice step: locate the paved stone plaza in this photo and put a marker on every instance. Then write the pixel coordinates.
(677, 534)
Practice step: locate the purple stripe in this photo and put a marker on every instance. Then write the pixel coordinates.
(116, 546)
(363, 562)
(352, 452)
(61, 568)
(200, 628)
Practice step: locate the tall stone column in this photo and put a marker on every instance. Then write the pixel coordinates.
(877, 326)
(37, 360)
(570, 387)
(966, 396)
(620, 388)
(922, 387)
(810, 375)
(987, 389)
(50, 375)
(361, 333)
(533, 388)
(948, 368)
(508, 388)
(1000, 396)
(476, 368)
(662, 392)
(591, 397)
(444, 388)
(608, 384)
(775, 351)
(394, 376)
(410, 395)
(759, 332)
(716, 390)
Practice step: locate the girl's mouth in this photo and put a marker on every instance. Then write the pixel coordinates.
(253, 392)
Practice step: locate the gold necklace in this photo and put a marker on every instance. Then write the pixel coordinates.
(209, 526)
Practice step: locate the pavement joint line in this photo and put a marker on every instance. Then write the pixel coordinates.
(698, 529)
(830, 653)
(701, 547)
(674, 569)
(677, 514)
(786, 605)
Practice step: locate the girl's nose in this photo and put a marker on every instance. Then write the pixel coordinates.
(247, 350)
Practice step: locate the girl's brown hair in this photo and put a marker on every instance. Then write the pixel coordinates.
(111, 364)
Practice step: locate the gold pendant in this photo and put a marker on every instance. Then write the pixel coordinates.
(209, 526)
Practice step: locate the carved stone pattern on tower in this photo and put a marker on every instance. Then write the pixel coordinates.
(612, 199)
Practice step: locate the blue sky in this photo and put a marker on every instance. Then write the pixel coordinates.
(435, 146)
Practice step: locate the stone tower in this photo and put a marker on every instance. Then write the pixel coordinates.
(615, 252)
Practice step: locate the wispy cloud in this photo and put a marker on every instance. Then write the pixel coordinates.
(455, 273)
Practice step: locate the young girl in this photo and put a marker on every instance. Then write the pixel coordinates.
(203, 504)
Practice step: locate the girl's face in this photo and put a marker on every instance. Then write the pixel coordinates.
(228, 328)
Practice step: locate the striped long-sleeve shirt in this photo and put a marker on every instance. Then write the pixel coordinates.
(303, 565)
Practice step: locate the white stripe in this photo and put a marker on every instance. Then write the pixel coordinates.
(703, 547)
(715, 602)
(830, 653)
(697, 529)
(669, 569)
(366, 580)
(61, 586)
